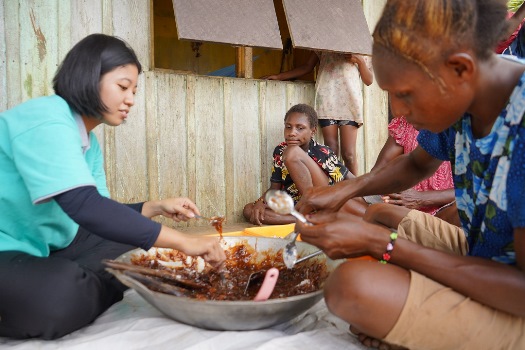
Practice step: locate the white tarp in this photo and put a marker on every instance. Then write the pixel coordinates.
(134, 324)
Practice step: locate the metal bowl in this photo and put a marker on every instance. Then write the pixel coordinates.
(232, 315)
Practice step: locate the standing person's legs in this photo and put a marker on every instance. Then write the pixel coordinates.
(348, 145)
(51, 297)
(330, 131)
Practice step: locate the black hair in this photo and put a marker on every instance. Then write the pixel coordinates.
(305, 109)
(77, 80)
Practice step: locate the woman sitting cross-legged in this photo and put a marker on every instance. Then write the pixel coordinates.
(298, 164)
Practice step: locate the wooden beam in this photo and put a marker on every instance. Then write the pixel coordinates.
(244, 62)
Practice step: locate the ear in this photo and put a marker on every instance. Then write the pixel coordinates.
(462, 65)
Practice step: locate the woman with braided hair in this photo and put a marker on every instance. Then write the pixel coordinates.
(435, 286)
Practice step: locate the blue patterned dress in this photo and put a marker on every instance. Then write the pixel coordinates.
(489, 177)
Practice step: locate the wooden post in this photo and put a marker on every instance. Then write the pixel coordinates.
(243, 62)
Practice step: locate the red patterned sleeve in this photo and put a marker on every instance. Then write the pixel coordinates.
(403, 133)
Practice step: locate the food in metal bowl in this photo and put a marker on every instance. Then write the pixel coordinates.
(230, 282)
(227, 309)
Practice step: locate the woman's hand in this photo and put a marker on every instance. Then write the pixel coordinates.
(207, 247)
(340, 234)
(410, 199)
(178, 209)
(258, 210)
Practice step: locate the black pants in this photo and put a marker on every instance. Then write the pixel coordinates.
(51, 297)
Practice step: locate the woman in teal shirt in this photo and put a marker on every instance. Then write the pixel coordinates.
(57, 221)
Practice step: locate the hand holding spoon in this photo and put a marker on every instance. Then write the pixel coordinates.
(282, 203)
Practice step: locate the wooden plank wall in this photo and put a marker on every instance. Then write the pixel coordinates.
(207, 138)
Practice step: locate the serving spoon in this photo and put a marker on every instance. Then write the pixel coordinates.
(282, 203)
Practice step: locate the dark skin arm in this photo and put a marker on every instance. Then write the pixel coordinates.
(299, 71)
(401, 173)
(491, 283)
(410, 198)
(366, 74)
(391, 149)
(413, 199)
(515, 20)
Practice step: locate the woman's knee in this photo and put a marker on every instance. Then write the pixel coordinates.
(247, 211)
(374, 211)
(293, 154)
(346, 286)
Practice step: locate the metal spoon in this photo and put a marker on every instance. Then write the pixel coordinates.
(282, 203)
(309, 256)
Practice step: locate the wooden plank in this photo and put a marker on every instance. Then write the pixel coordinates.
(3, 60)
(131, 22)
(299, 93)
(244, 62)
(375, 131)
(230, 182)
(245, 145)
(331, 25)
(191, 150)
(87, 16)
(275, 109)
(237, 22)
(38, 47)
(107, 17)
(209, 146)
(130, 157)
(153, 132)
(64, 30)
(171, 138)
(13, 81)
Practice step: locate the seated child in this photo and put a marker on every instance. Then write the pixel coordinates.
(299, 163)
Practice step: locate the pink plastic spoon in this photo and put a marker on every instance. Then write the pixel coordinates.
(268, 284)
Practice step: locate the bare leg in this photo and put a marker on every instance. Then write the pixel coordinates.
(348, 147)
(449, 214)
(303, 170)
(356, 206)
(369, 296)
(331, 137)
(388, 215)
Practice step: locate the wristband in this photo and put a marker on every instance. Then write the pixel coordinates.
(389, 248)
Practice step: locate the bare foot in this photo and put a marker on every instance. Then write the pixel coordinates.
(373, 342)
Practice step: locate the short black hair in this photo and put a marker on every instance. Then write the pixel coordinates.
(77, 80)
(305, 109)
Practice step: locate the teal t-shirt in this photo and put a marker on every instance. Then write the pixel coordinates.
(44, 151)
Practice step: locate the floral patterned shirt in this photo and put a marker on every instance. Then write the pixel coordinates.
(338, 88)
(489, 177)
(321, 154)
(405, 135)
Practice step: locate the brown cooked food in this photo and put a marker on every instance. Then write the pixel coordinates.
(229, 283)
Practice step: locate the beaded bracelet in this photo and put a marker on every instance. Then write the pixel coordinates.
(389, 247)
